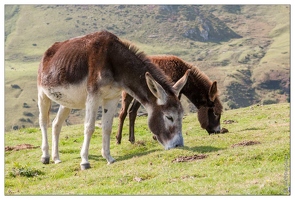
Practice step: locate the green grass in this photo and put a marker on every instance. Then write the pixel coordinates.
(145, 168)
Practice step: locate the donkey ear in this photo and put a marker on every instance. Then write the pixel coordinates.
(181, 82)
(213, 91)
(156, 89)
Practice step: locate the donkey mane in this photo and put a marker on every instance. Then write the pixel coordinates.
(155, 71)
(202, 77)
(198, 74)
(140, 54)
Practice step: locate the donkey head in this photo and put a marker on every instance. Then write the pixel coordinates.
(209, 119)
(209, 116)
(165, 116)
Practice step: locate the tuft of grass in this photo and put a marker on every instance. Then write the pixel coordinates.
(25, 171)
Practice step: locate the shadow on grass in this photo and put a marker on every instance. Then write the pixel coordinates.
(121, 158)
(196, 149)
(135, 154)
(252, 129)
(203, 149)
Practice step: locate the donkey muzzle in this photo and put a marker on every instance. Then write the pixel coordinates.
(176, 141)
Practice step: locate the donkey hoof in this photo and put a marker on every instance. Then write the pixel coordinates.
(45, 160)
(85, 166)
(111, 161)
(132, 141)
(57, 161)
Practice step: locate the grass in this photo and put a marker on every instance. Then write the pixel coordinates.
(145, 168)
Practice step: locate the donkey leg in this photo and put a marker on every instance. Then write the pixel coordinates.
(132, 116)
(61, 116)
(89, 126)
(126, 100)
(109, 109)
(44, 104)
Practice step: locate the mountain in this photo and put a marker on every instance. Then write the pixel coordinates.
(246, 48)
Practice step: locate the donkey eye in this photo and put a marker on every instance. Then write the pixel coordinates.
(169, 118)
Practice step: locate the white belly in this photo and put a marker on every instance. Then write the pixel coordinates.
(75, 96)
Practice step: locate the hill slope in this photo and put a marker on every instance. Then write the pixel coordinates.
(246, 48)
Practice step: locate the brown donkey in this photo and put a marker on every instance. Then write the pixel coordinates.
(92, 70)
(199, 90)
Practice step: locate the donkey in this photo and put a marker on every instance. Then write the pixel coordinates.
(91, 71)
(199, 90)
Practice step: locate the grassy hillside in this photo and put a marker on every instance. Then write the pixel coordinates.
(246, 48)
(253, 158)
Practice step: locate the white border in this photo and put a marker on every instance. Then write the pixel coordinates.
(138, 2)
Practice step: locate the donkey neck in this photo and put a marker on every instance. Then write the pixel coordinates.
(198, 84)
(197, 87)
(196, 93)
(129, 67)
